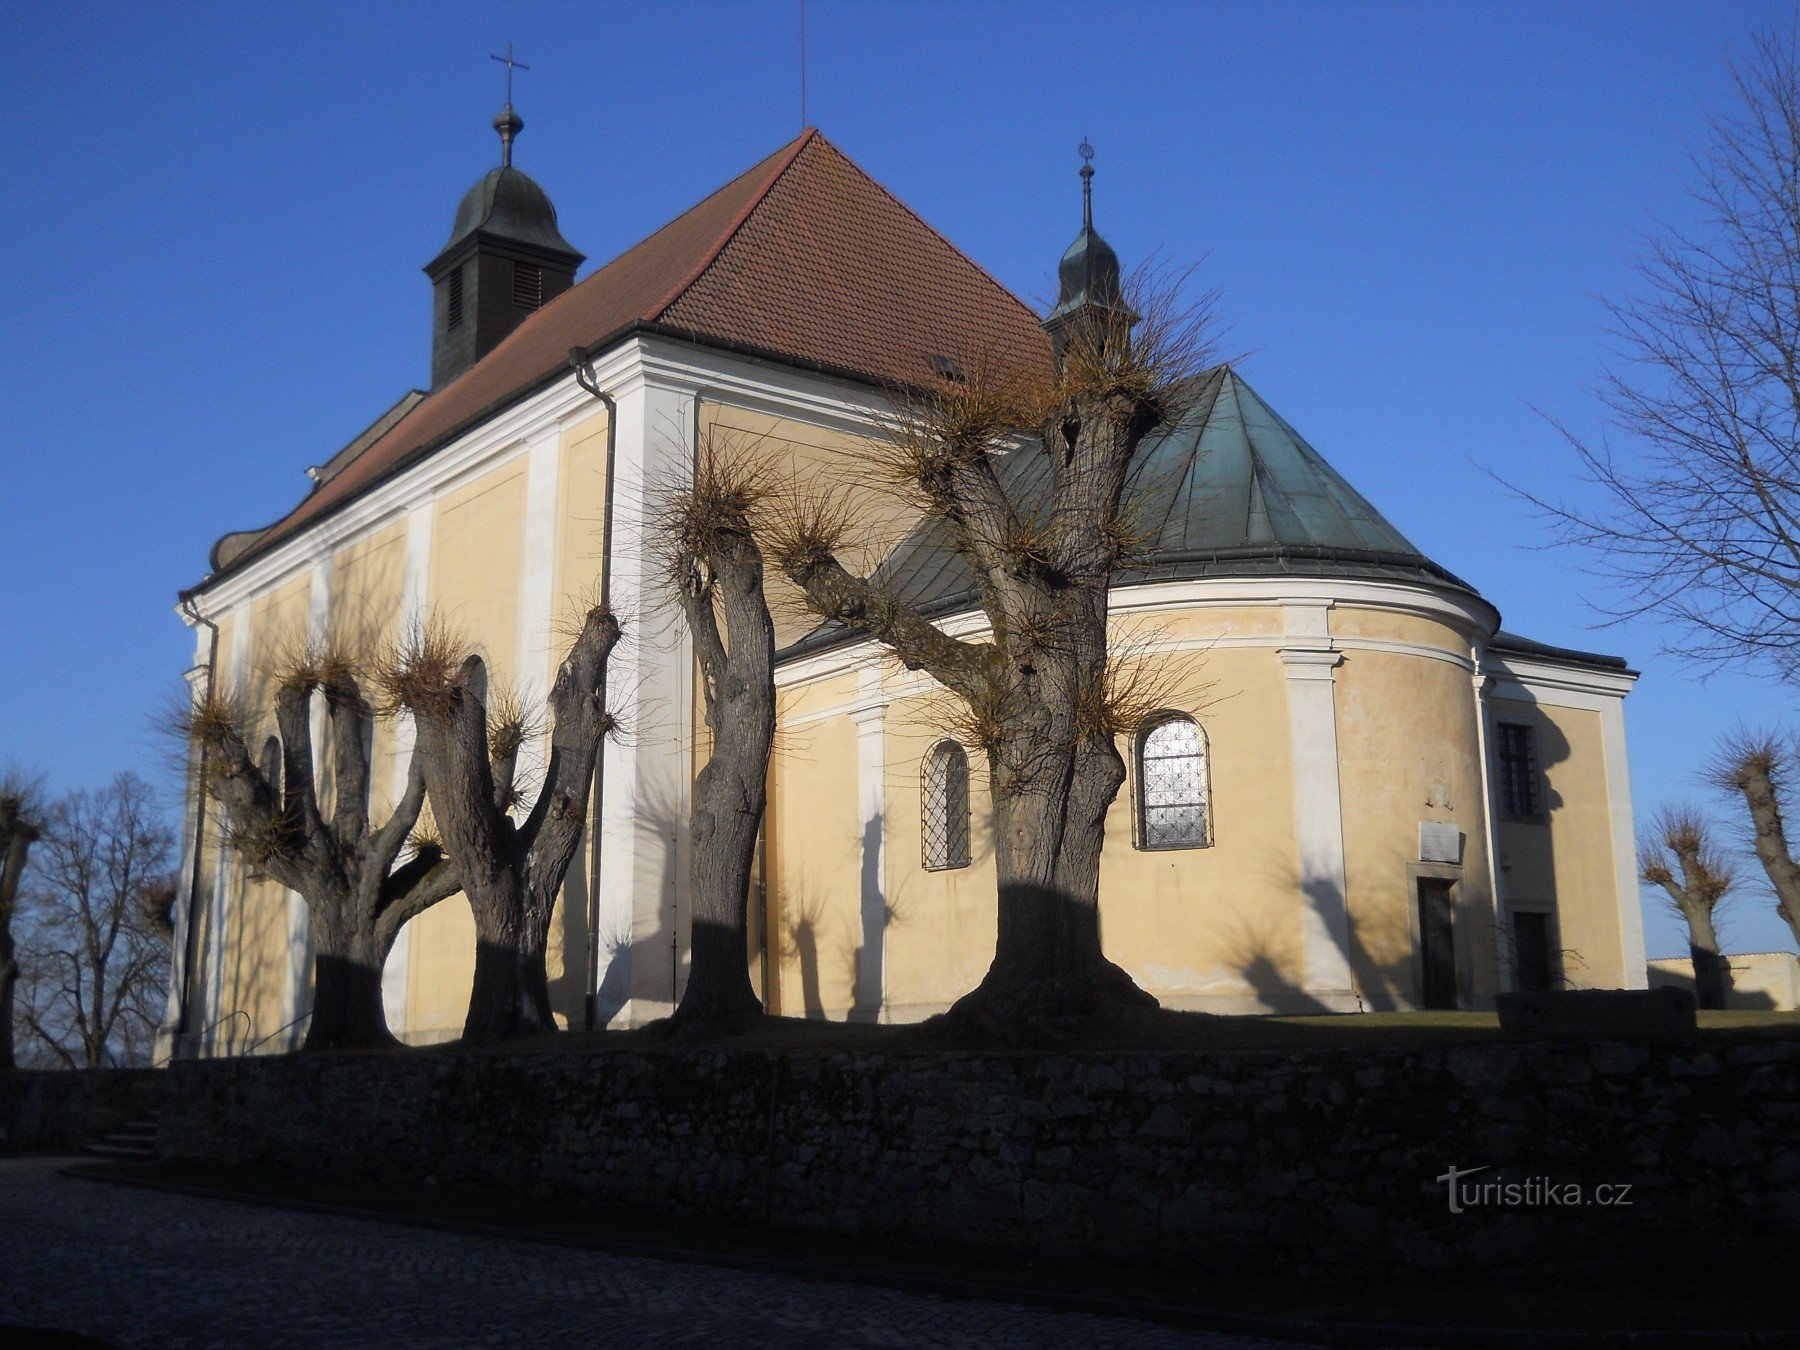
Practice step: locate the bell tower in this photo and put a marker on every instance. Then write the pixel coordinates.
(505, 260)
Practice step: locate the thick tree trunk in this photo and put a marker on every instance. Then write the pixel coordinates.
(1772, 851)
(347, 1006)
(1049, 975)
(9, 980)
(1711, 982)
(16, 838)
(510, 996)
(731, 792)
(728, 807)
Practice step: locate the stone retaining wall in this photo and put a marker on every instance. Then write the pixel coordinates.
(1323, 1163)
(59, 1112)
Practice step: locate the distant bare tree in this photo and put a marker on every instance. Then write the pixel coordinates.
(21, 823)
(510, 871)
(348, 871)
(715, 569)
(1038, 687)
(1755, 765)
(1681, 858)
(1701, 521)
(97, 942)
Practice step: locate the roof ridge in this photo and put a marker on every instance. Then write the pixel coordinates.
(757, 198)
(949, 243)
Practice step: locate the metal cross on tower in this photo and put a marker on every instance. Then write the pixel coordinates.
(511, 65)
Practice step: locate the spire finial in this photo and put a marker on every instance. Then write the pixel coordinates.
(1086, 152)
(509, 124)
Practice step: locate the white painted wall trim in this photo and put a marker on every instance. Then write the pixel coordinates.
(415, 599)
(1318, 806)
(1463, 615)
(871, 768)
(536, 598)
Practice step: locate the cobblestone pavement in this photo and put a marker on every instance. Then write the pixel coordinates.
(149, 1268)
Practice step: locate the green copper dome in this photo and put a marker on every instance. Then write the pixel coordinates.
(1228, 489)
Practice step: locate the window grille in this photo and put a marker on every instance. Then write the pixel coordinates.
(1173, 810)
(528, 286)
(456, 298)
(946, 807)
(1521, 797)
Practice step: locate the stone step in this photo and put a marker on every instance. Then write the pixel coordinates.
(106, 1149)
(135, 1139)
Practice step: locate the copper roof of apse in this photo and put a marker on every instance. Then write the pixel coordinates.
(803, 258)
(1229, 489)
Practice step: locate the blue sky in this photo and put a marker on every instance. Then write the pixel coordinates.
(217, 216)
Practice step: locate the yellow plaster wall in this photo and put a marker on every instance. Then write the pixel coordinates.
(580, 526)
(1219, 921)
(368, 578)
(819, 459)
(1408, 752)
(1357, 621)
(1568, 861)
(254, 978)
(941, 925)
(477, 556)
(813, 851)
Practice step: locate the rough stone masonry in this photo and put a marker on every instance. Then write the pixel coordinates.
(1311, 1163)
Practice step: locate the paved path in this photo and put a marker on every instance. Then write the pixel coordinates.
(149, 1268)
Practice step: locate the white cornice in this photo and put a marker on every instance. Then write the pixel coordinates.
(1467, 617)
(626, 368)
(1534, 679)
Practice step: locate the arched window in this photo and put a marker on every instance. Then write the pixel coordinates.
(944, 794)
(1173, 806)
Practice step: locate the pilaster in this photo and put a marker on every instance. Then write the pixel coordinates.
(1318, 808)
(870, 995)
(642, 913)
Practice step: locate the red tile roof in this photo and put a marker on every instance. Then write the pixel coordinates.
(803, 257)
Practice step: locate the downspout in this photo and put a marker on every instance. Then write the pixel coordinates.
(188, 955)
(581, 363)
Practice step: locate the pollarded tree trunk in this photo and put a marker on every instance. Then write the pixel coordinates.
(19, 828)
(718, 566)
(1751, 768)
(510, 872)
(347, 1004)
(1710, 970)
(1696, 885)
(357, 893)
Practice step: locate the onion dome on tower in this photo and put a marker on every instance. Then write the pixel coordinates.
(506, 258)
(1090, 289)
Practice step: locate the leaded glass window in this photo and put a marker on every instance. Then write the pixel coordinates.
(945, 794)
(1173, 810)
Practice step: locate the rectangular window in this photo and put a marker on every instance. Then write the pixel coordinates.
(456, 285)
(1521, 794)
(528, 286)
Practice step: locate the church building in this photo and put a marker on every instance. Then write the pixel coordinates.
(1367, 795)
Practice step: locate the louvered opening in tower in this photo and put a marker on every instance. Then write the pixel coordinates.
(456, 298)
(528, 286)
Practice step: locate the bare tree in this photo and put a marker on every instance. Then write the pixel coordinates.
(1700, 524)
(1682, 859)
(510, 871)
(358, 891)
(98, 935)
(1754, 766)
(715, 568)
(21, 823)
(1042, 535)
